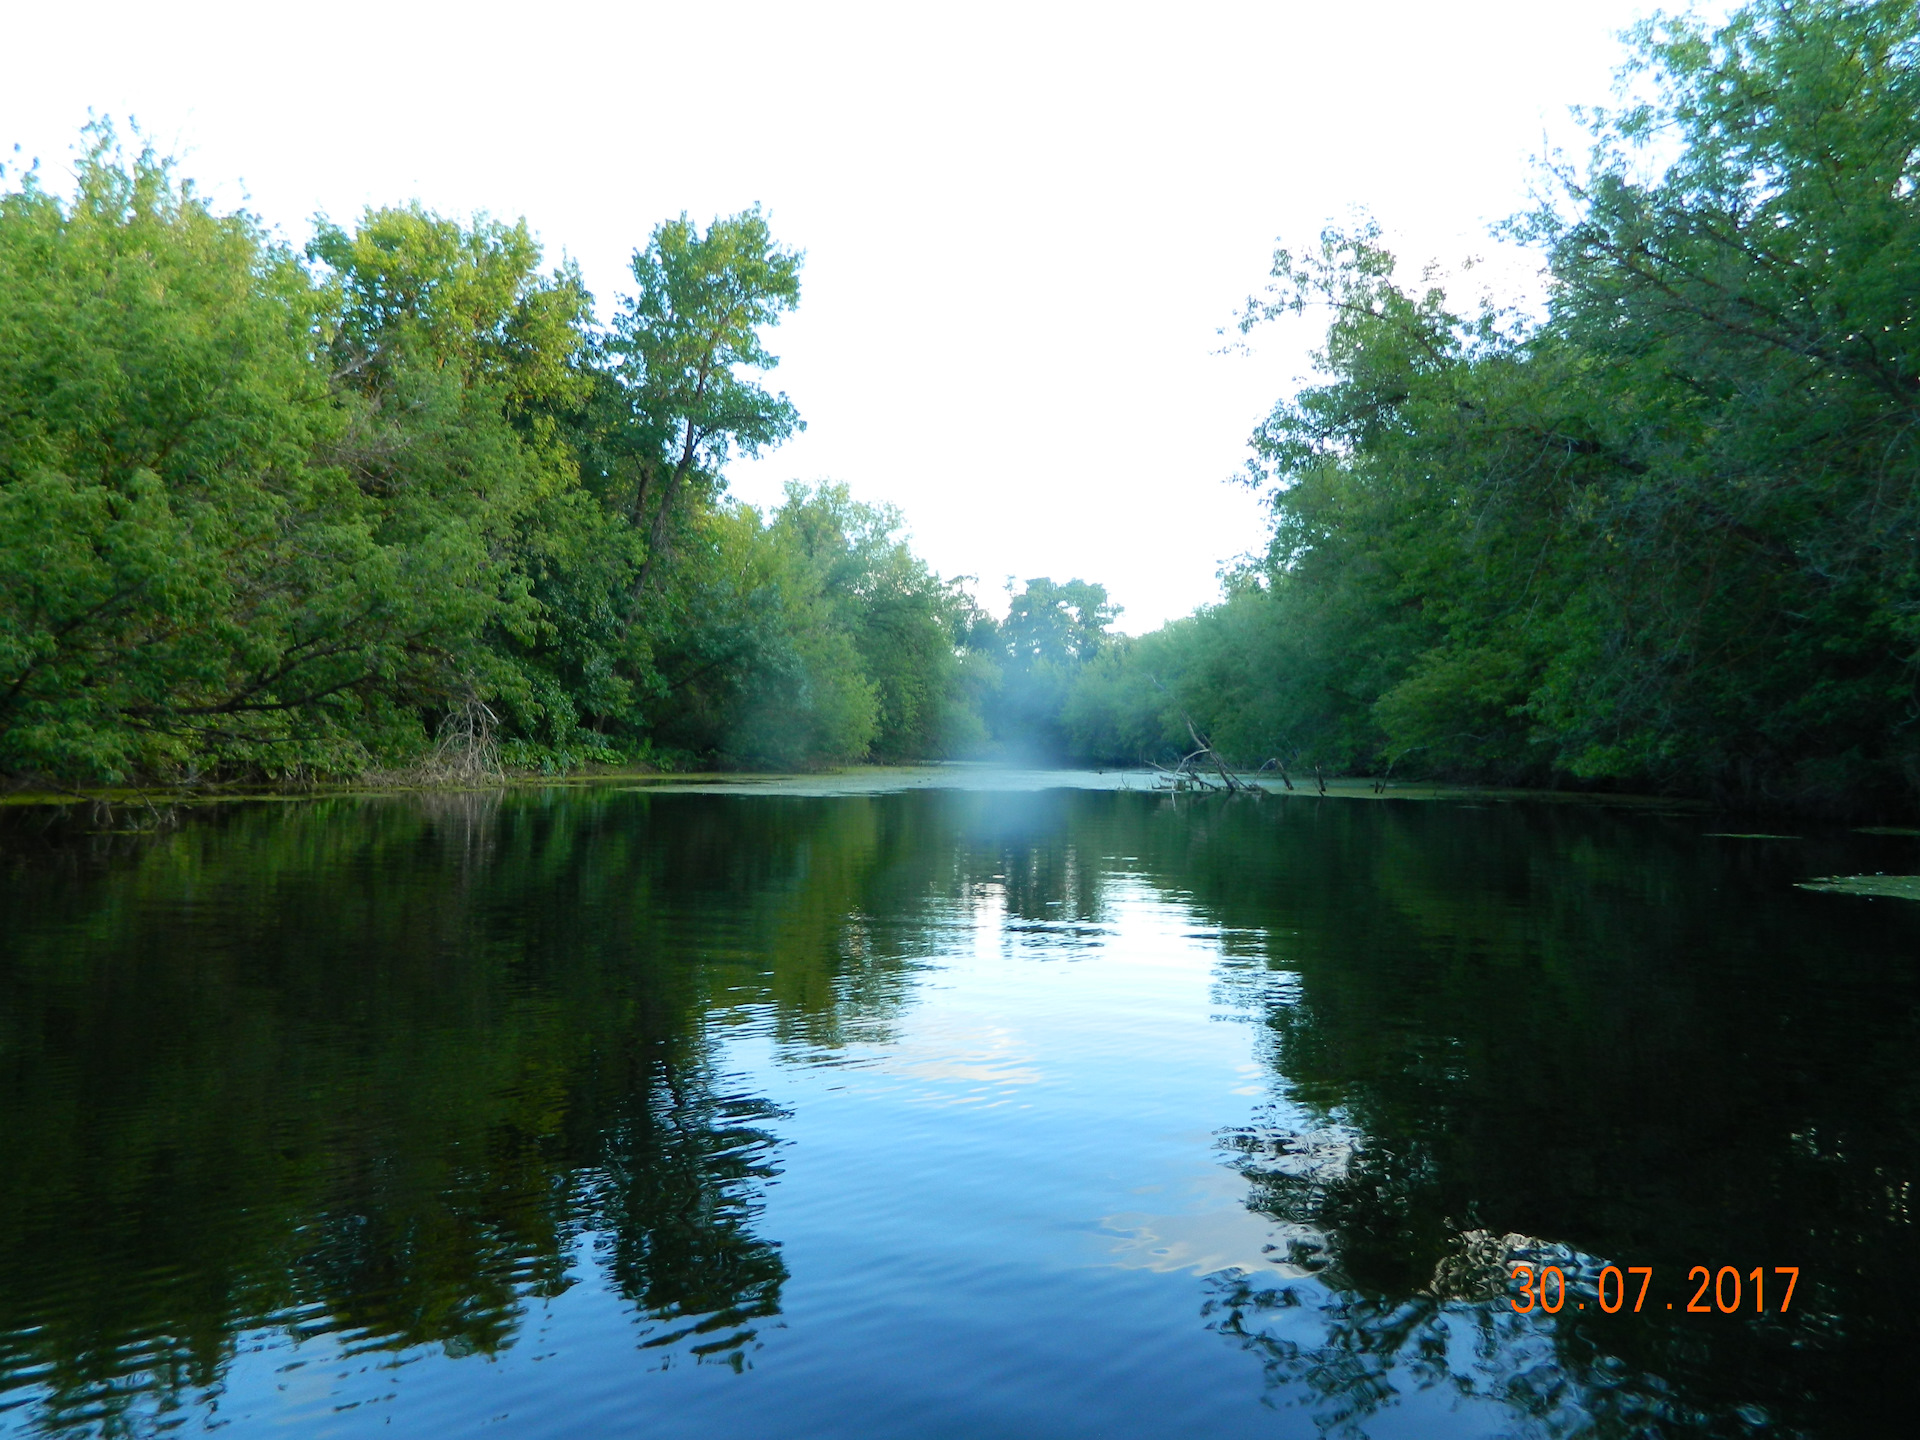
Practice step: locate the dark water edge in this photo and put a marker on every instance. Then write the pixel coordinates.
(1054, 1112)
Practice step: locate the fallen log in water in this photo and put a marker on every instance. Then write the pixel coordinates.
(1187, 775)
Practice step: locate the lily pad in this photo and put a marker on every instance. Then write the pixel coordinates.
(1899, 887)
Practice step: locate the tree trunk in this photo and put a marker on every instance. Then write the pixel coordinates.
(657, 533)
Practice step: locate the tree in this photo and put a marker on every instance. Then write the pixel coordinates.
(1058, 624)
(462, 370)
(266, 513)
(1667, 534)
(1755, 305)
(905, 621)
(681, 340)
(186, 582)
(1052, 631)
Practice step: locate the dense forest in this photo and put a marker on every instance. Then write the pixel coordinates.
(401, 498)
(1663, 534)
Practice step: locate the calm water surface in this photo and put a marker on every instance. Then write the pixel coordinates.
(1044, 1113)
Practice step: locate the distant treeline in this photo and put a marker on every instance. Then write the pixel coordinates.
(1665, 534)
(399, 499)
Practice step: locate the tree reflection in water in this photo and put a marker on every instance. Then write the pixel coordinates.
(387, 1073)
(391, 1072)
(1575, 1039)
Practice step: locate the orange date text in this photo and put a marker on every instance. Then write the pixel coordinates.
(1725, 1291)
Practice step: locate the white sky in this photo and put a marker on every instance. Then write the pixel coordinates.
(1024, 223)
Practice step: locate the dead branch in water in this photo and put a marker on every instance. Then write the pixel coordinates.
(464, 751)
(1187, 775)
(1276, 763)
(465, 748)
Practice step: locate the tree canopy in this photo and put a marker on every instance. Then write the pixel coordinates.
(272, 513)
(1667, 532)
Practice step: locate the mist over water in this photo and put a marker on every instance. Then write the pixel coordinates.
(998, 1105)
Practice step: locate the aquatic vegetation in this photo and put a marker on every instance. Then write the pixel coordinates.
(1898, 887)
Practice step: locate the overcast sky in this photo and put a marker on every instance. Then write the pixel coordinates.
(1024, 224)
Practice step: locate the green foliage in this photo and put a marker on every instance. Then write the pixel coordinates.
(461, 369)
(1216, 668)
(817, 635)
(187, 578)
(773, 679)
(1052, 634)
(680, 341)
(903, 620)
(269, 514)
(1666, 534)
(1755, 306)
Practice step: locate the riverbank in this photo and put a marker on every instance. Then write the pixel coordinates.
(844, 780)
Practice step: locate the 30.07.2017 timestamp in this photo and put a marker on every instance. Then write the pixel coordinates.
(1725, 1291)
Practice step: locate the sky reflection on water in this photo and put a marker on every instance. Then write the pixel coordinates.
(1057, 1112)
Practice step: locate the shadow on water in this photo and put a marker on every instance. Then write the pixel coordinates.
(395, 1072)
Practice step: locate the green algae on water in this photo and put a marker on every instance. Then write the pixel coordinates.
(1898, 887)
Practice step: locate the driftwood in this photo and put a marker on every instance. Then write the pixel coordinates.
(1276, 763)
(464, 750)
(1190, 774)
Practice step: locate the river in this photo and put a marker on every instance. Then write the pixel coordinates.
(1030, 1106)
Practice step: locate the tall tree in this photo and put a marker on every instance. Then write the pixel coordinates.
(1667, 534)
(686, 342)
(186, 581)
(1741, 257)
(1058, 624)
(268, 513)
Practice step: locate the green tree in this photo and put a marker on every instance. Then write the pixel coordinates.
(814, 635)
(264, 513)
(792, 690)
(1752, 306)
(464, 372)
(681, 342)
(1667, 534)
(905, 621)
(185, 581)
(1051, 633)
